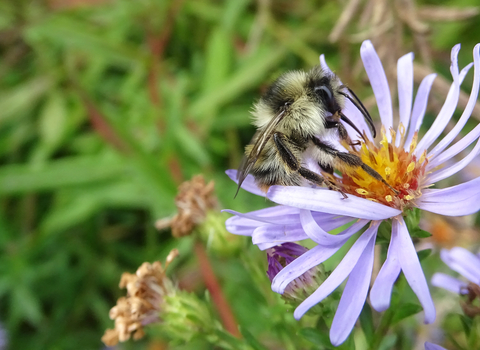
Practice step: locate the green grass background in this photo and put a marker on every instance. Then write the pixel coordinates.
(105, 108)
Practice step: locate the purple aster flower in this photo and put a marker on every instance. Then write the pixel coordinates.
(409, 165)
(466, 264)
(430, 346)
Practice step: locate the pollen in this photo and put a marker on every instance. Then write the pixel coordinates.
(410, 167)
(361, 191)
(402, 172)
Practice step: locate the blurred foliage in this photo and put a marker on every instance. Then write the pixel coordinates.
(105, 108)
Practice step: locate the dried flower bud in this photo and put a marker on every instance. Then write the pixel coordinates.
(194, 199)
(471, 307)
(146, 293)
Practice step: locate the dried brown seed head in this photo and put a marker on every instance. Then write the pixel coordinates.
(146, 291)
(194, 199)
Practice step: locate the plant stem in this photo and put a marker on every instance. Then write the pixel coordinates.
(213, 286)
(381, 330)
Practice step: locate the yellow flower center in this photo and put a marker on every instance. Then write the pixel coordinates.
(399, 168)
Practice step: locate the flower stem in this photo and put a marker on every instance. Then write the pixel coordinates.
(213, 286)
(381, 330)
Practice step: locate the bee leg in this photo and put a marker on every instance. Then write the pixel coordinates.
(281, 142)
(343, 135)
(327, 168)
(318, 180)
(342, 132)
(350, 160)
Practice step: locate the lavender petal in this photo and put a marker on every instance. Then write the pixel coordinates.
(405, 90)
(430, 346)
(468, 206)
(468, 109)
(278, 234)
(285, 213)
(249, 183)
(353, 297)
(456, 148)
(320, 236)
(412, 269)
(381, 291)
(330, 202)
(340, 273)
(447, 282)
(330, 223)
(300, 265)
(454, 60)
(274, 220)
(419, 107)
(455, 168)
(462, 261)
(279, 210)
(378, 81)
(449, 106)
(457, 193)
(245, 224)
(239, 229)
(265, 246)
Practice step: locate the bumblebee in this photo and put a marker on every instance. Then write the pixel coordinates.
(293, 118)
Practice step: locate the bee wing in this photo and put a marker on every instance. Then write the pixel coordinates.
(262, 138)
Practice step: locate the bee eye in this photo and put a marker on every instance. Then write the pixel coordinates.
(325, 91)
(288, 104)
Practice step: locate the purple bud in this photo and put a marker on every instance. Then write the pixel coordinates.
(282, 255)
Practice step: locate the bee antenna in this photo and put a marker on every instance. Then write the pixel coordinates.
(349, 122)
(356, 101)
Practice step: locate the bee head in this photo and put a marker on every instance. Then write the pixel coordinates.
(324, 87)
(306, 98)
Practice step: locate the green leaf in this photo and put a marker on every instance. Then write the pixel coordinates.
(388, 342)
(250, 74)
(75, 206)
(25, 178)
(405, 311)
(23, 98)
(474, 334)
(349, 344)
(72, 33)
(53, 119)
(366, 322)
(384, 232)
(467, 323)
(419, 233)
(412, 219)
(144, 163)
(315, 336)
(423, 254)
(250, 339)
(190, 144)
(217, 59)
(233, 12)
(26, 305)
